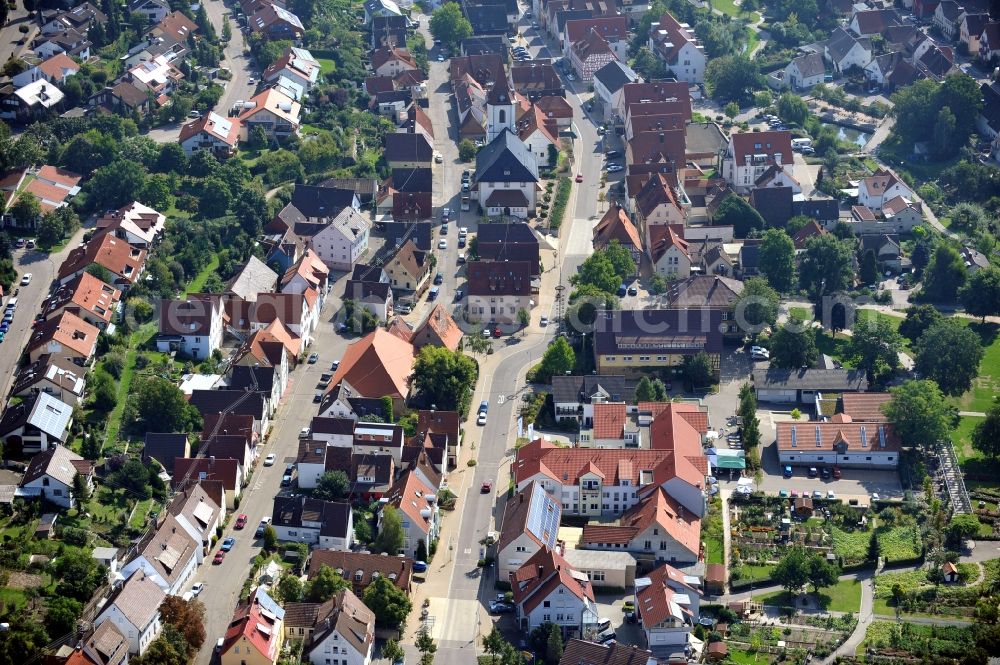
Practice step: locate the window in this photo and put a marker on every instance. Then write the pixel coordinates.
(597, 576)
(546, 617)
(520, 548)
(648, 545)
(546, 603)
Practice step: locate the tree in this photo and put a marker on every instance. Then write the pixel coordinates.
(390, 538)
(732, 109)
(698, 370)
(777, 259)
(621, 260)
(270, 538)
(944, 276)
(751, 432)
(597, 271)
(421, 552)
(792, 109)
(332, 486)
(943, 134)
(876, 345)
(171, 159)
(187, 616)
(392, 652)
(162, 407)
(467, 150)
(986, 434)
(554, 646)
(792, 571)
(449, 25)
(649, 65)
(289, 588)
(736, 212)
(732, 78)
(49, 230)
(78, 573)
(257, 140)
(821, 573)
(324, 585)
(962, 527)
(657, 284)
(170, 648)
(827, 266)
(949, 353)
(559, 358)
(443, 378)
(103, 391)
(27, 209)
(424, 643)
(968, 217)
(758, 305)
(494, 644)
(61, 615)
(919, 414)
(523, 317)
(81, 490)
(644, 391)
(792, 349)
(868, 273)
(388, 602)
(918, 319)
(981, 294)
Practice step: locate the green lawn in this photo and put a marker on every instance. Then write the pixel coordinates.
(865, 315)
(325, 65)
(744, 658)
(961, 437)
(844, 596)
(852, 546)
(712, 534)
(987, 384)
(139, 516)
(12, 599)
(837, 347)
(803, 313)
(196, 284)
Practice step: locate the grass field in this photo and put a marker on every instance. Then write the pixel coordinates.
(326, 65)
(899, 543)
(844, 596)
(196, 284)
(987, 384)
(12, 599)
(865, 315)
(961, 437)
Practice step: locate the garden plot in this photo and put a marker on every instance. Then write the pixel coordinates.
(910, 640)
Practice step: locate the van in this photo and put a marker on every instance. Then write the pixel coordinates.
(798, 144)
(433, 293)
(218, 645)
(12, 304)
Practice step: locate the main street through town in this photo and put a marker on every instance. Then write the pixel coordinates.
(457, 590)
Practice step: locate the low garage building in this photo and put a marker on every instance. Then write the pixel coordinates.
(800, 386)
(610, 570)
(838, 442)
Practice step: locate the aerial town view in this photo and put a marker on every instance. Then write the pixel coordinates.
(500, 332)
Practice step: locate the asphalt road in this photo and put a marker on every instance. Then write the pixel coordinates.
(224, 582)
(239, 63)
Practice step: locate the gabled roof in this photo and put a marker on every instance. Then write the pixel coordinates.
(810, 379)
(705, 291)
(589, 45)
(773, 203)
(769, 143)
(810, 65)
(294, 511)
(204, 468)
(656, 192)
(105, 646)
(581, 652)
(543, 573)
(610, 28)
(165, 448)
(193, 316)
(609, 420)
(175, 26)
(679, 330)
(255, 277)
(259, 620)
(662, 238)
(57, 462)
(69, 331)
(812, 228)
(614, 75)
(659, 509)
(275, 101)
(534, 512)
(490, 278)
(377, 365)
(115, 254)
(506, 159)
(665, 596)
(875, 21)
(412, 496)
(168, 549)
(535, 78)
(669, 37)
(407, 147)
(616, 225)
(840, 44)
(371, 566)
(381, 56)
(439, 329)
(138, 600)
(214, 126)
(88, 293)
(838, 431)
(864, 407)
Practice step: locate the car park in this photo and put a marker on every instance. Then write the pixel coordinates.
(227, 544)
(606, 636)
(269, 460)
(241, 521)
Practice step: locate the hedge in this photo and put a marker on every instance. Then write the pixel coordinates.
(562, 199)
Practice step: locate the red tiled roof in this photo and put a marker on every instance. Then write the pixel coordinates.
(609, 421)
(542, 574)
(762, 143)
(864, 407)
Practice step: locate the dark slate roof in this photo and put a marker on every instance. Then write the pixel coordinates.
(991, 104)
(614, 75)
(421, 235)
(516, 232)
(164, 447)
(506, 159)
(484, 44)
(653, 331)
(823, 210)
(334, 516)
(488, 19)
(243, 378)
(412, 180)
(773, 203)
(407, 147)
(579, 388)
(314, 201)
(324, 425)
(749, 256)
(810, 379)
(365, 188)
(218, 401)
(810, 65)
(840, 44)
(366, 273)
(367, 291)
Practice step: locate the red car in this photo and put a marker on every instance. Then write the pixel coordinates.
(487, 487)
(241, 521)
(497, 332)
(219, 556)
(579, 177)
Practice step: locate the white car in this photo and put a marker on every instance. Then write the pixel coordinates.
(875, 496)
(481, 420)
(759, 353)
(544, 321)
(26, 279)
(269, 460)
(442, 244)
(487, 333)
(197, 588)
(830, 495)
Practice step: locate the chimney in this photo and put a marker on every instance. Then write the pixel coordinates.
(541, 570)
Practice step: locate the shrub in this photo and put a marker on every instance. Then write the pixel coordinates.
(562, 199)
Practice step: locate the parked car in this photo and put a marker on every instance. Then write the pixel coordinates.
(26, 279)
(481, 419)
(197, 588)
(787, 471)
(313, 357)
(439, 278)
(632, 291)
(227, 544)
(260, 527)
(825, 473)
(813, 472)
(269, 460)
(487, 487)
(419, 566)
(484, 406)
(241, 521)
(499, 608)
(544, 321)
(219, 556)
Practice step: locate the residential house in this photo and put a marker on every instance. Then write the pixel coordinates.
(274, 346)
(657, 207)
(971, 29)
(377, 365)
(379, 438)
(608, 81)
(268, 381)
(34, 101)
(612, 29)
(749, 154)
(166, 555)
(134, 609)
(329, 524)
(668, 336)
(72, 42)
(51, 475)
(548, 590)
(122, 260)
(389, 31)
(193, 327)
(947, 17)
(175, 28)
(342, 627)
(374, 8)
(669, 252)
(198, 469)
(438, 329)
(256, 630)
(885, 247)
(409, 269)
(54, 376)
(67, 336)
(589, 54)
(540, 135)
(438, 430)
(272, 111)
(710, 291)
(55, 70)
(211, 132)
(805, 71)
(497, 291)
(373, 297)
(105, 645)
(556, 108)
(872, 22)
(297, 65)
(341, 243)
(199, 515)
(812, 228)
(613, 653)
(536, 79)
(668, 602)
(165, 448)
(774, 204)
(484, 45)
(678, 47)
(80, 17)
(390, 61)
(153, 11)
(363, 568)
(254, 278)
(875, 190)
(408, 150)
(530, 523)
(800, 386)
(276, 23)
(838, 442)
(974, 259)
(507, 177)
(416, 503)
(611, 428)
(844, 51)
(508, 242)
(616, 226)
(87, 297)
(640, 97)
(157, 77)
(320, 204)
(309, 272)
(989, 42)
(240, 446)
(122, 99)
(135, 223)
(575, 396)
